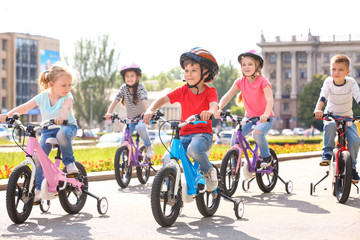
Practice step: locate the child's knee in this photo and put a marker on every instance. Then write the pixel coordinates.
(256, 132)
(141, 127)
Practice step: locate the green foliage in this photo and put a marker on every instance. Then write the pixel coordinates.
(165, 80)
(96, 64)
(307, 101)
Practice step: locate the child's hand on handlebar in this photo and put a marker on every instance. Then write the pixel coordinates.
(59, 120)
(318, 114)
(107, 116)
(263, 118)
(217, 114)
(3, 117)
(205, 115)
(147, 116)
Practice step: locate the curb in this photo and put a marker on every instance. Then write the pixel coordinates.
(110, 175)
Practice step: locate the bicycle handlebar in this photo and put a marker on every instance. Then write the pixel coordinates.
(239, 119)
(48, 124)
(328, 116)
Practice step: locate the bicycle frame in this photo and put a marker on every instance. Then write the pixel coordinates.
(242, 145)
(51, 171)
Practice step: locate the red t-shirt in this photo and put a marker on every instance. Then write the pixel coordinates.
(194, 104)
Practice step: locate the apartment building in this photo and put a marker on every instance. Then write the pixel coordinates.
(290, 64)
(23, 58)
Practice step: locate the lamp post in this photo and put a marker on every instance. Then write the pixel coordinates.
(91, 87)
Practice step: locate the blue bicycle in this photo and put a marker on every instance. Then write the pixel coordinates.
(170, 188)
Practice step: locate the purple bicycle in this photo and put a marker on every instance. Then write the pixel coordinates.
(129, 155)
(230, 166)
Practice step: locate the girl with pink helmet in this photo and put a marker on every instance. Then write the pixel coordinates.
(133, 96)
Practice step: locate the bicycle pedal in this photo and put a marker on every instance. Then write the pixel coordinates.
(36, 203)
(355, 181)
(324, 164)
(201, 188)
(72, 175)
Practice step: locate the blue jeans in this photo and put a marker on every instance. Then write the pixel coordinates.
(141, 130)
(196, 146)
(64, 136)
(260, 139)
(352, 137)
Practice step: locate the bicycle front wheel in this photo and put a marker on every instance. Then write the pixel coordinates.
(267, 181)
(143, 173)
(342, 185)
(229, 177)
(18, 201)
(123, 170)
(165, 205)
(72, 199)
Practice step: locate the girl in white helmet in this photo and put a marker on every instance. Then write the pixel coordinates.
(258, 100)
(133, 95)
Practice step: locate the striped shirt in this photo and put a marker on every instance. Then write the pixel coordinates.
(339, 97)
(132, 110)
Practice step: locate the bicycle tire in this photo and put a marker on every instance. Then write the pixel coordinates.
(267, 181)
(18, 202)
(71, 199)
(162, 196)
(208, 202)
(143, 173)
(342, 183)
(229, 178)
(122, 170)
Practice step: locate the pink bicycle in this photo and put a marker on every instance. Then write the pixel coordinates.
(72, 189)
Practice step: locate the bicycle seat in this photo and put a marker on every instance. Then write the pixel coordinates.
(53, 141)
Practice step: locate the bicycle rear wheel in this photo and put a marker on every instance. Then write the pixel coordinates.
(342, 185)
(165, 205)
(229, 178)
(123, 170)
(71, 199)
(143, 173)
(18, 201)
(267, 181)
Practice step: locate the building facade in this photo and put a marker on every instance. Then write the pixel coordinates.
(291, 63)
(23, 58)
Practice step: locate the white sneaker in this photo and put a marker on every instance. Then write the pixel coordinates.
(37, 195)
(211, 180)
(150, 151)
(71, 168)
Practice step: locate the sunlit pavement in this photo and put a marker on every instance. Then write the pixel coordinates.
(275, 215)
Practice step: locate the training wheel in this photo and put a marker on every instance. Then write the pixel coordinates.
(44, 205)
(311, 189)
(289, 187)
(246, 185)
(102, 205)
(239, 209)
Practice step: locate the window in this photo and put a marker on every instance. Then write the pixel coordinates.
(287, 74)
(3, 64)
(3, 102)
(3, 44)
(357, 73)
(3, 83)
(272, 58)
(286, 106)
(287, 58)
(287, 90)
(302, 58)
(326, 57)
(273, 75)
(303, 73)
(358, 57)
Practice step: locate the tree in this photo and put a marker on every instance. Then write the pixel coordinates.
(307, 101)
(96, 64)
(225, 79)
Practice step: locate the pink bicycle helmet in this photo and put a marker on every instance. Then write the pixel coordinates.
(203, 57)
(130, 67)
(252, 53)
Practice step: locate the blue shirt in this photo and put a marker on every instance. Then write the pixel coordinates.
(51, 112)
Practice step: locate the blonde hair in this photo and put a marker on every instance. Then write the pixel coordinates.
(340, 58)
(51, 75)
(257, 65)
(239, 100)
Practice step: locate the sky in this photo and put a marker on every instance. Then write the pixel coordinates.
(154, 33)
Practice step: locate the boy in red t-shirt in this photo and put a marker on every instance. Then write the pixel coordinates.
(195, 98)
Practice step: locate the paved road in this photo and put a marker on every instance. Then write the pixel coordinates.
(276, 215)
